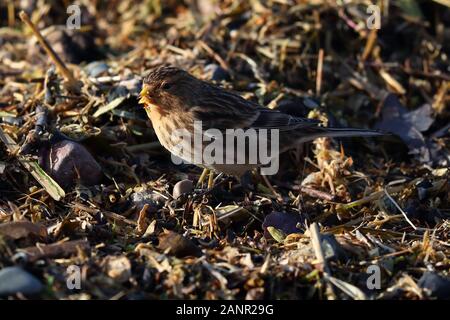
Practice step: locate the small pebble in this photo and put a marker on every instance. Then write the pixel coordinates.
(96, 68)
(182, 187)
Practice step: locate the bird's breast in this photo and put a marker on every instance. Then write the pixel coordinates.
(169, 127)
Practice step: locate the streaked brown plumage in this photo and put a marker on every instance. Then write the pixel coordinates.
(174, 99)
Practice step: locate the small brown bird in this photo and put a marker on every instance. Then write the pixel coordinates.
(175, 100)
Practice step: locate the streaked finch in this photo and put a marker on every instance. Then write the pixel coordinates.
(174, 100)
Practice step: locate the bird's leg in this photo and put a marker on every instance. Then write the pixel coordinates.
(202, 177)
(211, 179)
(269, 185)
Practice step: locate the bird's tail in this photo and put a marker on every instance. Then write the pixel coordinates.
(319, 132)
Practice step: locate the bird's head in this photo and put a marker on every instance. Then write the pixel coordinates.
(169, 88)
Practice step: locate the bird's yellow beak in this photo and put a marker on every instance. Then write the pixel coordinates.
(144, 98)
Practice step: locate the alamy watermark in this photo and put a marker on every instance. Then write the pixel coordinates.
(374, 19)
(374, 280)
(73, 280)
(74, 20)
(259, 147)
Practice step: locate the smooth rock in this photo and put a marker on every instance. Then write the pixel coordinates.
(69, 162)
(182, 187)
(15, 279)
(435, 285)
(178, 245)
(96, 68)
(283, 221)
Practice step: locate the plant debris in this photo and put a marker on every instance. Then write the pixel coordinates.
(85, 185)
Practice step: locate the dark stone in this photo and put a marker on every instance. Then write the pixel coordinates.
(68, 162)
(283, 221)
(14, 280)
(178, 245)
(435, 285)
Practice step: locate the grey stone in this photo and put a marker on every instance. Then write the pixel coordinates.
(14, 280)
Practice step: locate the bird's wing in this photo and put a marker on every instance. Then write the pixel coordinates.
(226, 110)
(272, 119)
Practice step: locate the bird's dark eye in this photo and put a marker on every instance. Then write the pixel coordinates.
(166, 86)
